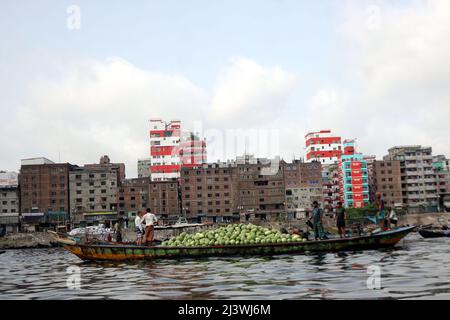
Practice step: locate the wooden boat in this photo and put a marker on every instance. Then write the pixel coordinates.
(426, 233)
(108, 252)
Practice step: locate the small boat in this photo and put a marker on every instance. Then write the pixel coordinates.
(426, 233)
(114, 252)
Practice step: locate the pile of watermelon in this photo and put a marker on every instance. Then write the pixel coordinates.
(232, 235)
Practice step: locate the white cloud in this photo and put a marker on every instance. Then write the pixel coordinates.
(249, 93)
(103, 107)
(399, 56)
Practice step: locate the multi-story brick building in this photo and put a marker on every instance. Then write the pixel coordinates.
(209, 193)
(132, 197)
(164, 200)
(262, 190)
(303, 183)
(44, 190)
(44, 186)
(387, 180)
(419, 181)
(93, 191)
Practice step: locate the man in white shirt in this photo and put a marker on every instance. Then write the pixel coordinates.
(150, 220)
(139, 228)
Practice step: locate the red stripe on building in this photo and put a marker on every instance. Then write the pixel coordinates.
(165, 169)
(324, 140)
(162, 151)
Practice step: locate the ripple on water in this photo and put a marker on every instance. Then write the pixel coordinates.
(418, 269)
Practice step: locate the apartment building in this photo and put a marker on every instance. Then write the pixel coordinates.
(132, 197)
(441, 167)
(44, 189)
(419, 181)
(164, 200)
(9, 202)
(323, 146)
(171, 149)
(370, 176)
(387, 180)
(353, 177)
(9, 193)
(93, 191)
(209, 193)
(304, 185)
(262, 189)
(143, 166)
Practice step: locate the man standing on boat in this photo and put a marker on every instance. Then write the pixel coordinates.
(138, 227)
(340, 219)
(150, 220)
(118, 229)
(316, 216)
(381, 212)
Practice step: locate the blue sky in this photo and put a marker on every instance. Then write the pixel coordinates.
(194, 38)
(329, 58)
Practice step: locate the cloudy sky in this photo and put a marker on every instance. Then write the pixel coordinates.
(270, 70)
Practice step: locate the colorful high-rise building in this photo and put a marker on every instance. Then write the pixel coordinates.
(323, 146)
(353, 177)
(171, 149)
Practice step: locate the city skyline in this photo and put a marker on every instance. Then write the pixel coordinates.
(372, 70)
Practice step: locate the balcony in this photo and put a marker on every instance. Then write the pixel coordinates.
(414, 188)
(415, 196)
(411, 165)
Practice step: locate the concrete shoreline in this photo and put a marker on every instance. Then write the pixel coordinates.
(27, 241)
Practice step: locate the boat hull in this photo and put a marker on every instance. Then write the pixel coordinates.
(128, 252)
(434, 233)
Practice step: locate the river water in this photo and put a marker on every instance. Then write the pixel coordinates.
(416, 269)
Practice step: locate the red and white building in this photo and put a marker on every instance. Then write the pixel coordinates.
(192, 150)
(326, 148)
(170, 149)
(323, 146)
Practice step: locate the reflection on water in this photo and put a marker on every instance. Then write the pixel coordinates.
(418, 268)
